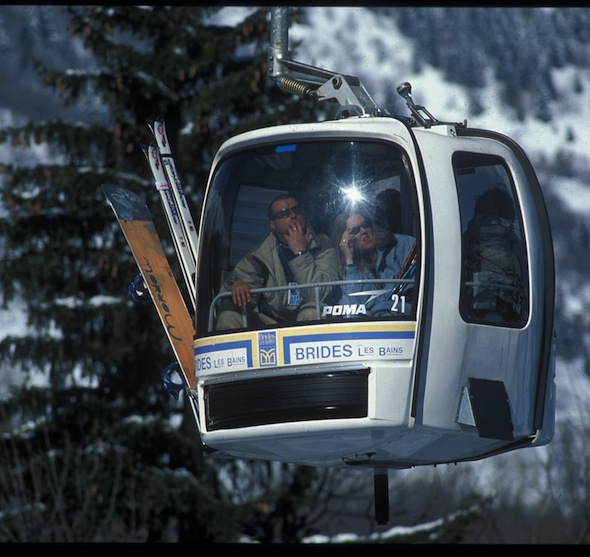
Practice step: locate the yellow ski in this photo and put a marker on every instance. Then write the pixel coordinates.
(141, 235)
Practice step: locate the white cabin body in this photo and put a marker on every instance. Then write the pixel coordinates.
(460, 364)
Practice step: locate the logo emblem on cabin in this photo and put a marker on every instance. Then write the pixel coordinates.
(267, 348)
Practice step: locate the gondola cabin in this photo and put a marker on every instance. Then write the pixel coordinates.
(457, 364)
(449, 357)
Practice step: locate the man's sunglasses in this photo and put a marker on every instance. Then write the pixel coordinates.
(284, 213)
(356, 229)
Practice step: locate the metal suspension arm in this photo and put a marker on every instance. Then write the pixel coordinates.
(309, 81)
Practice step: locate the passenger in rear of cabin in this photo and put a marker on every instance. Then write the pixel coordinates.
(493, 260)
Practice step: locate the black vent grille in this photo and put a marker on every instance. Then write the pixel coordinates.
(287, 398)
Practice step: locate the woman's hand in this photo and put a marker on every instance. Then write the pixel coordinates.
(347, 247)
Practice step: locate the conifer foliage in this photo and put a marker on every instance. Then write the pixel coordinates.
(100, 458)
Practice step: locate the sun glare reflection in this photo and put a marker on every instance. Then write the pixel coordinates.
(353, 194)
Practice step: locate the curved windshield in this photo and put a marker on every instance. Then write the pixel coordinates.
(308, 232)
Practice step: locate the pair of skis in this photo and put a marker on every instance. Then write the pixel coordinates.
(137, 225)
(180, 221)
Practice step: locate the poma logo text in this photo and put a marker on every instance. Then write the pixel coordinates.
(344, 309)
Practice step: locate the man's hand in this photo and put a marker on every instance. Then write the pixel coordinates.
(297, 238)
(240, 293)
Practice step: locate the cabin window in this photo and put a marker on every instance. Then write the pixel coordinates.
(494, 278)
(330, 180)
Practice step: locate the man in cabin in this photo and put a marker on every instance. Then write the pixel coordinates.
(291, 254)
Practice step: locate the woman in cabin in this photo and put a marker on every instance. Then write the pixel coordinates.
(369, 252)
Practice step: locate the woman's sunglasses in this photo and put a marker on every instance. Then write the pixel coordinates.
(356, 229)
(284, 213)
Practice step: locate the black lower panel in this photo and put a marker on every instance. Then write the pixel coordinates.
(491, 408)
(291, 398)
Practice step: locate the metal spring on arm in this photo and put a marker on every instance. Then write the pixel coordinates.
(290, 85)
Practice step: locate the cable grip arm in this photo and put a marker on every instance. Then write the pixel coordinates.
(311, 82)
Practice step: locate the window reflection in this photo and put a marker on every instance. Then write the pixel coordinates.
(292, 262)
(494, 287)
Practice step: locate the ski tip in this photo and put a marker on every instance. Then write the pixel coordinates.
(126, 204)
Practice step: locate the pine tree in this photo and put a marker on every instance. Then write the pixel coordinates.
(101, 460)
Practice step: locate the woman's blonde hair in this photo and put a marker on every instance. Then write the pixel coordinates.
(383, 238)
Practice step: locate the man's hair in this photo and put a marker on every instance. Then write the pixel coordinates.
(278, 198)
(388, 210)
(495, 201)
